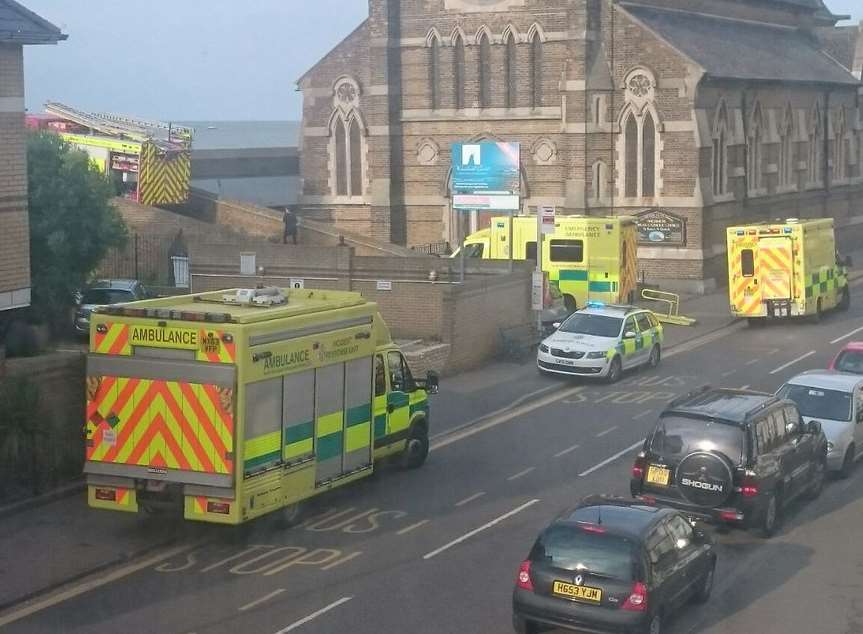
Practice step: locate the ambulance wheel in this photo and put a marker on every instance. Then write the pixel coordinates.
(417, 447)
(845, 300)
(615, 371)
(655, 357)
(290, 515)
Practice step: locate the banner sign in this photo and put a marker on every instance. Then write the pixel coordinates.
(486, 176)
(660, 228)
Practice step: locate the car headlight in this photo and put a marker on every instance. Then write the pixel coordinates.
(830, 446)
(543, 347)
(596, 355)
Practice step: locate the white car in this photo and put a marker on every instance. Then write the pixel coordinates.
(834, 399)
(602, 341)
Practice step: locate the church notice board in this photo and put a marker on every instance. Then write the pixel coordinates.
(660, 228)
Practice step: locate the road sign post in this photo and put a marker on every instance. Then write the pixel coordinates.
(544, 226)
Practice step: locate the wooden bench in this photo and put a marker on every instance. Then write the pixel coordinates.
(517, 342)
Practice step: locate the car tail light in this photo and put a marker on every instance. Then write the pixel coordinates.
(106, 495)
(224, 508)
(639, 467)
(730, 516)
(523, 579)
(749, 486)
(648, 499)
(637, 599)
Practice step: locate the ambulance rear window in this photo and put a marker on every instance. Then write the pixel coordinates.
(567, 251)
(747, 262)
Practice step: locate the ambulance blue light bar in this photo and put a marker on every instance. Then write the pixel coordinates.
(595, 304)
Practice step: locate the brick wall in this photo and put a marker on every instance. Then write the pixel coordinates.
(14, 225)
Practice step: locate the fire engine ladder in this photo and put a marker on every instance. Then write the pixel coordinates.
(124, 127)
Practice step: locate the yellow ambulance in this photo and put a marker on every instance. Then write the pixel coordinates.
(234, 404)
(586, 258)
(786, 269)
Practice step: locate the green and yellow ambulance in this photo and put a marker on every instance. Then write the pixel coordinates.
(586, 258)
(235, 404)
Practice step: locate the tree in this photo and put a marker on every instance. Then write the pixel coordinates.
(72, 221)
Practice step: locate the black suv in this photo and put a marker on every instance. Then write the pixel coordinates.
(612, 565)
(730, 456)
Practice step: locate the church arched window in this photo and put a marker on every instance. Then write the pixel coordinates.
(535, 69)
(347, 141)
(510, 65)
(434, 72)
(648, 156)
(631, 141)
(754, 143)
(458, 71)
(720, 151)
(484, 70)
(816, 147)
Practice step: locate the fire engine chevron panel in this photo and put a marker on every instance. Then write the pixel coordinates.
(785, 269)
(235, 404)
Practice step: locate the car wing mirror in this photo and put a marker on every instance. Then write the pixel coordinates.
(556, 325)
(814, 427)
(432, 382)
(629, 334)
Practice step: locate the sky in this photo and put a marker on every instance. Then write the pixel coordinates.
(195, 60)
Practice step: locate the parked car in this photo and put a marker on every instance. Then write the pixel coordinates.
(835, 400)
(602, 341)
(105, 293)
(849, 359)
(735, 457)
(612, 565)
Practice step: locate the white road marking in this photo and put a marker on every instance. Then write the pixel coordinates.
(475, 496)
(792, 362)
(847, 336)
(606, 432)
(476, 531)
(773, 351)
(520, 474)
(512, 411)
(745, 387)
(87, 586)
(408, 529)
(570, 450)
(619, 454)
(343, 560)
(314, 615)
(729, 373)
(264, 598)
(752, 361)
(646, 412)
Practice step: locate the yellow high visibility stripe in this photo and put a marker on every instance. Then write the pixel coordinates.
(330, 424)
(358, 436)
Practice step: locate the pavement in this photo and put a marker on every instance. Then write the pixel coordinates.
(436, 549)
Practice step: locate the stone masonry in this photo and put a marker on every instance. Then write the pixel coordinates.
(705, 112)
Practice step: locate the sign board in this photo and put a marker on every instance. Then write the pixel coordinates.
(298, 282)
(537, 290)
(486, 176)
(546, 220)
(384, 285)
(660, 228)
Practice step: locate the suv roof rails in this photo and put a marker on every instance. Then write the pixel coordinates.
(680, 400)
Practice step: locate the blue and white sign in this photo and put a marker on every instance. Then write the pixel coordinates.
(486, 176)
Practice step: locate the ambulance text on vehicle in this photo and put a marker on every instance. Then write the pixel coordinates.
(238, 403)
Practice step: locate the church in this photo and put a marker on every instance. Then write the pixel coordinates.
(689, 115)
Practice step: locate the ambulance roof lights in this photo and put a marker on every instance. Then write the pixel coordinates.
(788, 230)
(741, 232)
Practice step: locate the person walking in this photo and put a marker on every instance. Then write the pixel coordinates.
(290, 220)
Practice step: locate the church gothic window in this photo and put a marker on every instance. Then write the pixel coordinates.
(816, 141)
(754, 153)
(640, 139)
(535, 70)
(434, 72)
(346, 141)
(840, 153)
(599, 180)
(458, 71)
(786, 150)
(484, 70)
(720, 151)
(510, 65)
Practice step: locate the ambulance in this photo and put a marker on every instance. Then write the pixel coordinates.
(586, 258)
(235, 404)
(786, 269)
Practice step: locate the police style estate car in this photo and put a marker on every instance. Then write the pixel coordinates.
(731, 456)
(602, 341)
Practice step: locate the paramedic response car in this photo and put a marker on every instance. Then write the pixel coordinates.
(234, 404)
(602, 341)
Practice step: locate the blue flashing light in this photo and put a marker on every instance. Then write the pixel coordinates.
(595, 304)
(787, 230)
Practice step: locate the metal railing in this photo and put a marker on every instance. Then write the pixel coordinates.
(433, 248)
(672, 303)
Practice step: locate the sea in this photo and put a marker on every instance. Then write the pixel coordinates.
(225, 135)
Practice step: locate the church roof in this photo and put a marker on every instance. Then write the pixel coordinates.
(19, 25)
(840, 43)
(735, 49)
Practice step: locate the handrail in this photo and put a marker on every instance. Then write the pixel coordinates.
(671, 299)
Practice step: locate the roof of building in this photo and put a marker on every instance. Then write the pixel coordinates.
(840, 43)
(735, 49)
(19, 25)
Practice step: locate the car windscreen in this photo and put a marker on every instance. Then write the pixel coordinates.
(573, 548)
(105, 296)
(850, 361)
(473, 250)
(594, 325)
(819, 403)
(676, 437)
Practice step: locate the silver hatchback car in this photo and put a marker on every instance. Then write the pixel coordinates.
(834, 399)
(105, 293)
